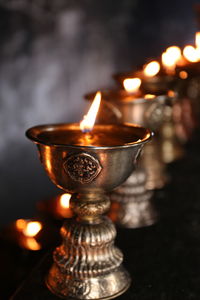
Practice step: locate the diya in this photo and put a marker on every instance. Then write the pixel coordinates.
(87, 265)
(134, 197)
(154, 79)
(147, 110)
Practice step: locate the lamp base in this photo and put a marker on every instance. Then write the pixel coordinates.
(103, 287)
(87, 265)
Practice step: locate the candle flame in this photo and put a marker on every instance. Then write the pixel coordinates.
(152, 68)
(175, 53)
(190, 53)
(197, 39)
(149, 96)
(88, 120)
(32, 228)
(132, 84)
(171, 57)
(65, 200)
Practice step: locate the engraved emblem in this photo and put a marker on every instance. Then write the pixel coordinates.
(82, 167)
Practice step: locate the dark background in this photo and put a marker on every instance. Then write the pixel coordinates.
(51, 53)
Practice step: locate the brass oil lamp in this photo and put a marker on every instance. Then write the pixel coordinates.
(87, 265)
(154, 79)
(134, 197)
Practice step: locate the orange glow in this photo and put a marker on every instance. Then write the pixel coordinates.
(197, 43)
(20, 224)
(65, 200)
(190, 53)
(132, 84)
(174, 52)
(152, 68)
(149, 96)
(88, 120)
(197, 39)
(171, 93)
(171, 57)
(183, 74)
(30, 243)
(32, 228)
(166, 60)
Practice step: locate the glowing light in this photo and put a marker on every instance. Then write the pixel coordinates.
(88, 120)
(65, 200)
(20, 224)
(197, 39)
(171, 57)
(132, 84)
(32, 228)
(174, 52)
(183, 74)
(197, 43)
(171, 93)
(166, 60)
(152, 68)
(190, 53)
(30, 243)
(149, 96)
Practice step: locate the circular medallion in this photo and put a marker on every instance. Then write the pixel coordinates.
(82, 167)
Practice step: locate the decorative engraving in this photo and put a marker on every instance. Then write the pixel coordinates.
(82, 167)
(78, 287)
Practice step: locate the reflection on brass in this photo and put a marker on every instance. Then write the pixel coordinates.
(187, 110)
(126, 107)
(145, 112)
(171, 148)
(151, 161)
(155, 113)
(87, 265)
(132, 205)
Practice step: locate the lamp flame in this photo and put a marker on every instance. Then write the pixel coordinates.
(65, 200)
(197, 43)
(132, 84)
(88, 121)
(152, 68)
(190, 53)
(32, 228)
(28, 228)
(171, 57)
(174, 52)
(197, 39)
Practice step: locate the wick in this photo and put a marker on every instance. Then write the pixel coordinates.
(86, 130)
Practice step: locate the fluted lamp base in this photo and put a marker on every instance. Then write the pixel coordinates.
(88, 265)
(103, 287)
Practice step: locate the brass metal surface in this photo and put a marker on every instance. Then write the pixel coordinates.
(131, 202)
(145, 112)
(121, 106)
(87, 265)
